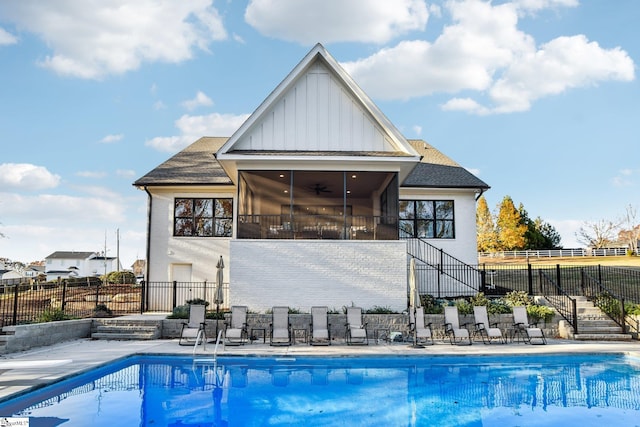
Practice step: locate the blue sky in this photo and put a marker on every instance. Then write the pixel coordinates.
(539, 98)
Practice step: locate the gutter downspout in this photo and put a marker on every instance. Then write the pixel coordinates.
(148, 252)
(480, 195)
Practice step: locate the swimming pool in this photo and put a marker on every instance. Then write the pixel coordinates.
(391, 391)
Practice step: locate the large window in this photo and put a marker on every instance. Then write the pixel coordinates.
(203, 217)
(429, 219)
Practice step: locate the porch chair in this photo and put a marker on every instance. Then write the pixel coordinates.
(356, 328)
(280, 326)
(235, 331)
(320, 327)
(418, 329)
(528, 332)
(456, 334)
(193, 331)
(487, 331)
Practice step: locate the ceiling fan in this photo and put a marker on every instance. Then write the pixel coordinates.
(319, 188)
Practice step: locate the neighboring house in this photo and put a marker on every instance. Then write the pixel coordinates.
(64, 264)
(9, 274)
(310, 202)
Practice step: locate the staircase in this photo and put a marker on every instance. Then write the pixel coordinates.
(594, 325)
(125, 329)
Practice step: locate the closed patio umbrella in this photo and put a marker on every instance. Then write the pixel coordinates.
(219, 294)
(414, 298)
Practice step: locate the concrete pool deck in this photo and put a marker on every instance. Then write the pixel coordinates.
(21, 371)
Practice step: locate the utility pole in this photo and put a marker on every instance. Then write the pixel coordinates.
(118, 250)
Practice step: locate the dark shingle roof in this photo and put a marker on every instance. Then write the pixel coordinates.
(195, 165)
(70, 255)
(436, 170)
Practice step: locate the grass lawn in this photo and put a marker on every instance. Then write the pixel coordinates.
(609, 261)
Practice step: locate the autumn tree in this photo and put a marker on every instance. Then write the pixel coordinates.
(630, 232)
(510, 230)
(487, 237)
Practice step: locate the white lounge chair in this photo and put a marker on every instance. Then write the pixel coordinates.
(193, 331)
(528, 332)
(356, 329)
(418, 329)
(488, 332)
(456, 334)
(280, 326)
(235, 332)
(320, 328)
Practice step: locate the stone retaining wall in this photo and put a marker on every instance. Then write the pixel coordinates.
(25, 337)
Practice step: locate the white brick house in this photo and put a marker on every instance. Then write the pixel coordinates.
(310, 201)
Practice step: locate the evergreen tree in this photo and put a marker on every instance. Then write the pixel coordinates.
(487, 237)
(511, 230)
(549, 233)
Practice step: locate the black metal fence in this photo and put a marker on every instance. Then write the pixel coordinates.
(503, 278)
(29, 303)
(165, 296)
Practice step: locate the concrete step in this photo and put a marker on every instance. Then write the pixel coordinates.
(123, 329)
(585, 329)
(123, 336)
(602, 337)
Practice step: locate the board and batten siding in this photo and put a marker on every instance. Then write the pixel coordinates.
(316, 114)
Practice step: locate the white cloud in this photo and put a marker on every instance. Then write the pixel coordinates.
(417, 129)
(91, 174)
(125, 173)
(159, 105)
(200, 100)
(536, 5)
(476, 172)
(624, 178)
(25, 176)
(308, 22)
(567, 228)
(54, 208)
(193, 127)
(483, 51)
(112, 138)
(7, 38)
(94, 39)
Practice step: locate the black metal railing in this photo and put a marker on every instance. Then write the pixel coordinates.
(300, 226)
(29, 303)
(441, 274)
(165, 296)
(559, 299)
(610, 302)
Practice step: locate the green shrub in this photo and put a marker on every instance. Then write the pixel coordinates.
(609, 304)
(121, 277)
(498, 306)
(464, 306)
(102, 310)
(632, 309)
(379, 310)
(480, 299)
(197, 301)
(179, 312)
(52, 315)
(540, 312)
(431, 305)
(518, 298)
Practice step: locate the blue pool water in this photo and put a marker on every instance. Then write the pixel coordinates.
(156, 391)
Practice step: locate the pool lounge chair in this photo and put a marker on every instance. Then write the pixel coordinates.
(418, 329)
(319, 327)
(487, 331)
(235, 331)
(456, 334)
(522, 328)
(280, 326)
(193, 331)
(356, 328)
